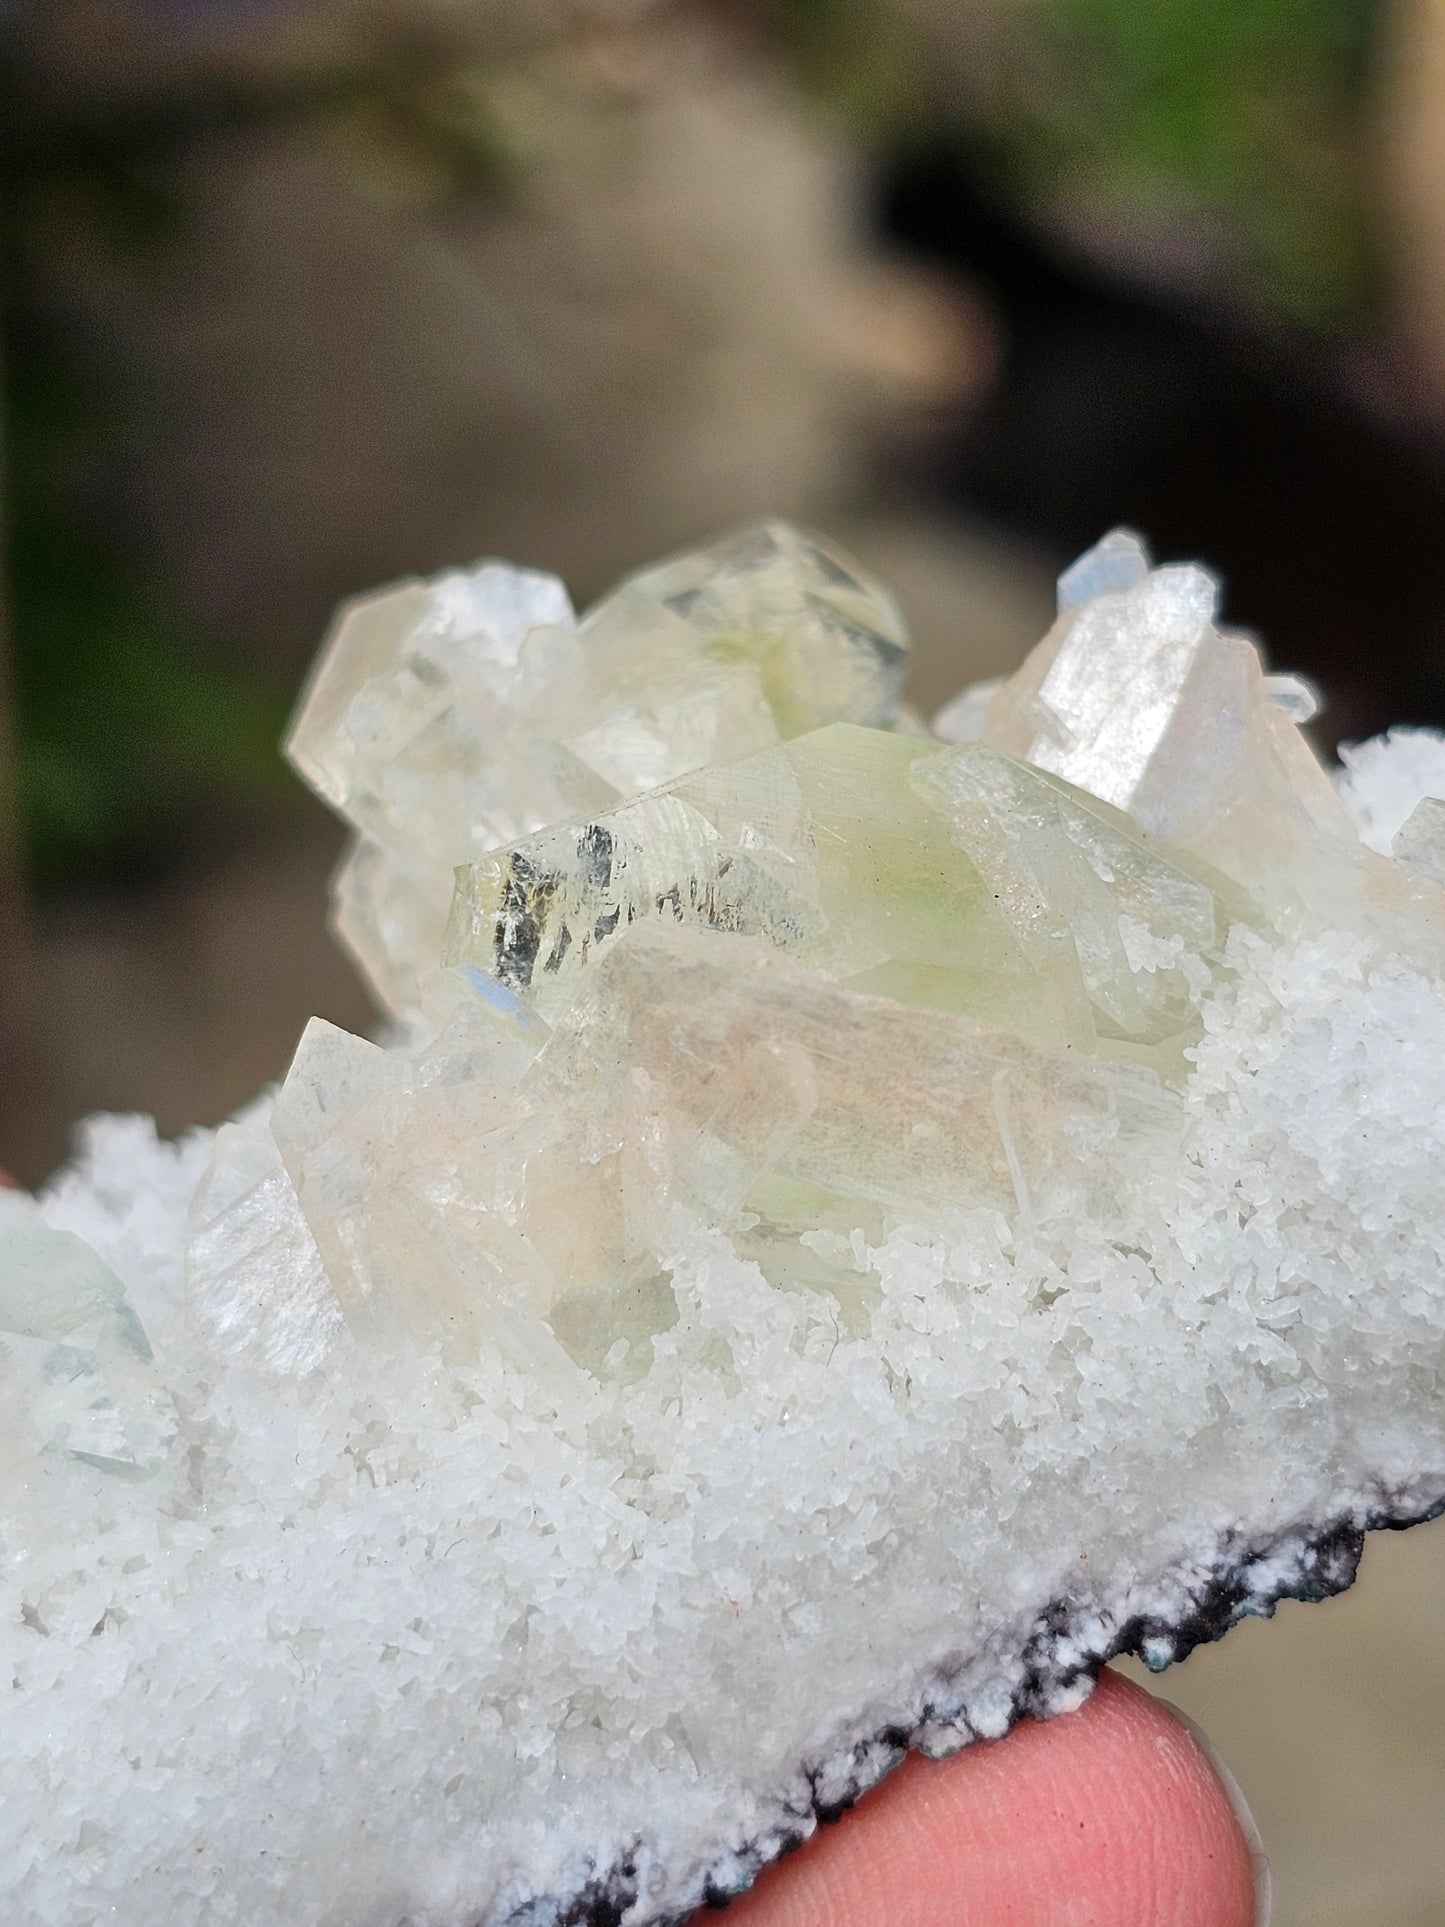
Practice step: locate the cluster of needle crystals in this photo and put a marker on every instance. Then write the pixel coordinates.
(853, 1224)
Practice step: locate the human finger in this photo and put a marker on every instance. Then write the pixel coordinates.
(1111, 1816)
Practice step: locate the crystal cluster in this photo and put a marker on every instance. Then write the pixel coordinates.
(447, 718)
(853, 1226)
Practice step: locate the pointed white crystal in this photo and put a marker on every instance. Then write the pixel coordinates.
(1420, 843)
(1136, 697)
(256, 1281)
(411, 1174)
(1117, 563)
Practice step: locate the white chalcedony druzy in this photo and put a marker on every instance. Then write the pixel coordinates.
(852, 1226)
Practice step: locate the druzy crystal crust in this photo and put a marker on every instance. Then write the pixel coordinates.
(851, 1226)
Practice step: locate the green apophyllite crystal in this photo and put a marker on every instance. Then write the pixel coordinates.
(953, 878)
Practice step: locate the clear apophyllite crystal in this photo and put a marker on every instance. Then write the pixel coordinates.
(858, 1227)
(76, 1367)
(957, 879)
(1137, 697)
(1041, 880)
(446, 718)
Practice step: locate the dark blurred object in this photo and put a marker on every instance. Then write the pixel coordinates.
(1233, 136)
(126, 733)
(1118, 401)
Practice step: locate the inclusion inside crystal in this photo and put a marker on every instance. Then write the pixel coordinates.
(847, 1229)
(444, 719)
(956, 879)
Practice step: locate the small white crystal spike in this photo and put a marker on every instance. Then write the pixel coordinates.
(1137, 697)
(1421, 842)
(1117, 562)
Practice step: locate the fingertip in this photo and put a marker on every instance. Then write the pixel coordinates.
(1112, 1816)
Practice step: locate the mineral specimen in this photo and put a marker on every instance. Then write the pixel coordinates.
(448, 718)
(851, 1228)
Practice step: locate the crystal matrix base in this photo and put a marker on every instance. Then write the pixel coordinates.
(853, 1228)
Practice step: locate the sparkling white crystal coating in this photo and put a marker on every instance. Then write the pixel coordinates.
(864, 1227)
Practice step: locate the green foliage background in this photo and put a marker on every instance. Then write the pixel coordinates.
(120, 716)
(1249, 113)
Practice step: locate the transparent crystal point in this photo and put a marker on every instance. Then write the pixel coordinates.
(450, 717)
(952, 878)
(82, 1377)
(400, 1173)
(1137, 697)
(825, 642)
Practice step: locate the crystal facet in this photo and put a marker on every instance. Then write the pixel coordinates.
(953, 878)
(447, 718)
(857, 1227)
(1136, 697)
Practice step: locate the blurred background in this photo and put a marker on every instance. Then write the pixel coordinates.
(298, 298)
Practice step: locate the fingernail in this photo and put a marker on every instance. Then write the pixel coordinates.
(1259, 1859)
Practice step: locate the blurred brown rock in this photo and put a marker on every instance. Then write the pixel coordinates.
(654, 316)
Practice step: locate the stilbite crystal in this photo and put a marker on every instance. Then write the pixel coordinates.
(865, 1227)
(1136, 697)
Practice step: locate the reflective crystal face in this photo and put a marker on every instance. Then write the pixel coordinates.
(1421, 842)
(447, 718)
(1137, 697)
(955, 879)
(862, 1226)
(76, 1369)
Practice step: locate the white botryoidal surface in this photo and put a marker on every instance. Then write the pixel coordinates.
(854, 1227)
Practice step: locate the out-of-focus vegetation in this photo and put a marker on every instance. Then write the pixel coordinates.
(122, 724)
(120, 719)
(1243, 119)
(1250, 110)
(1241, 122)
